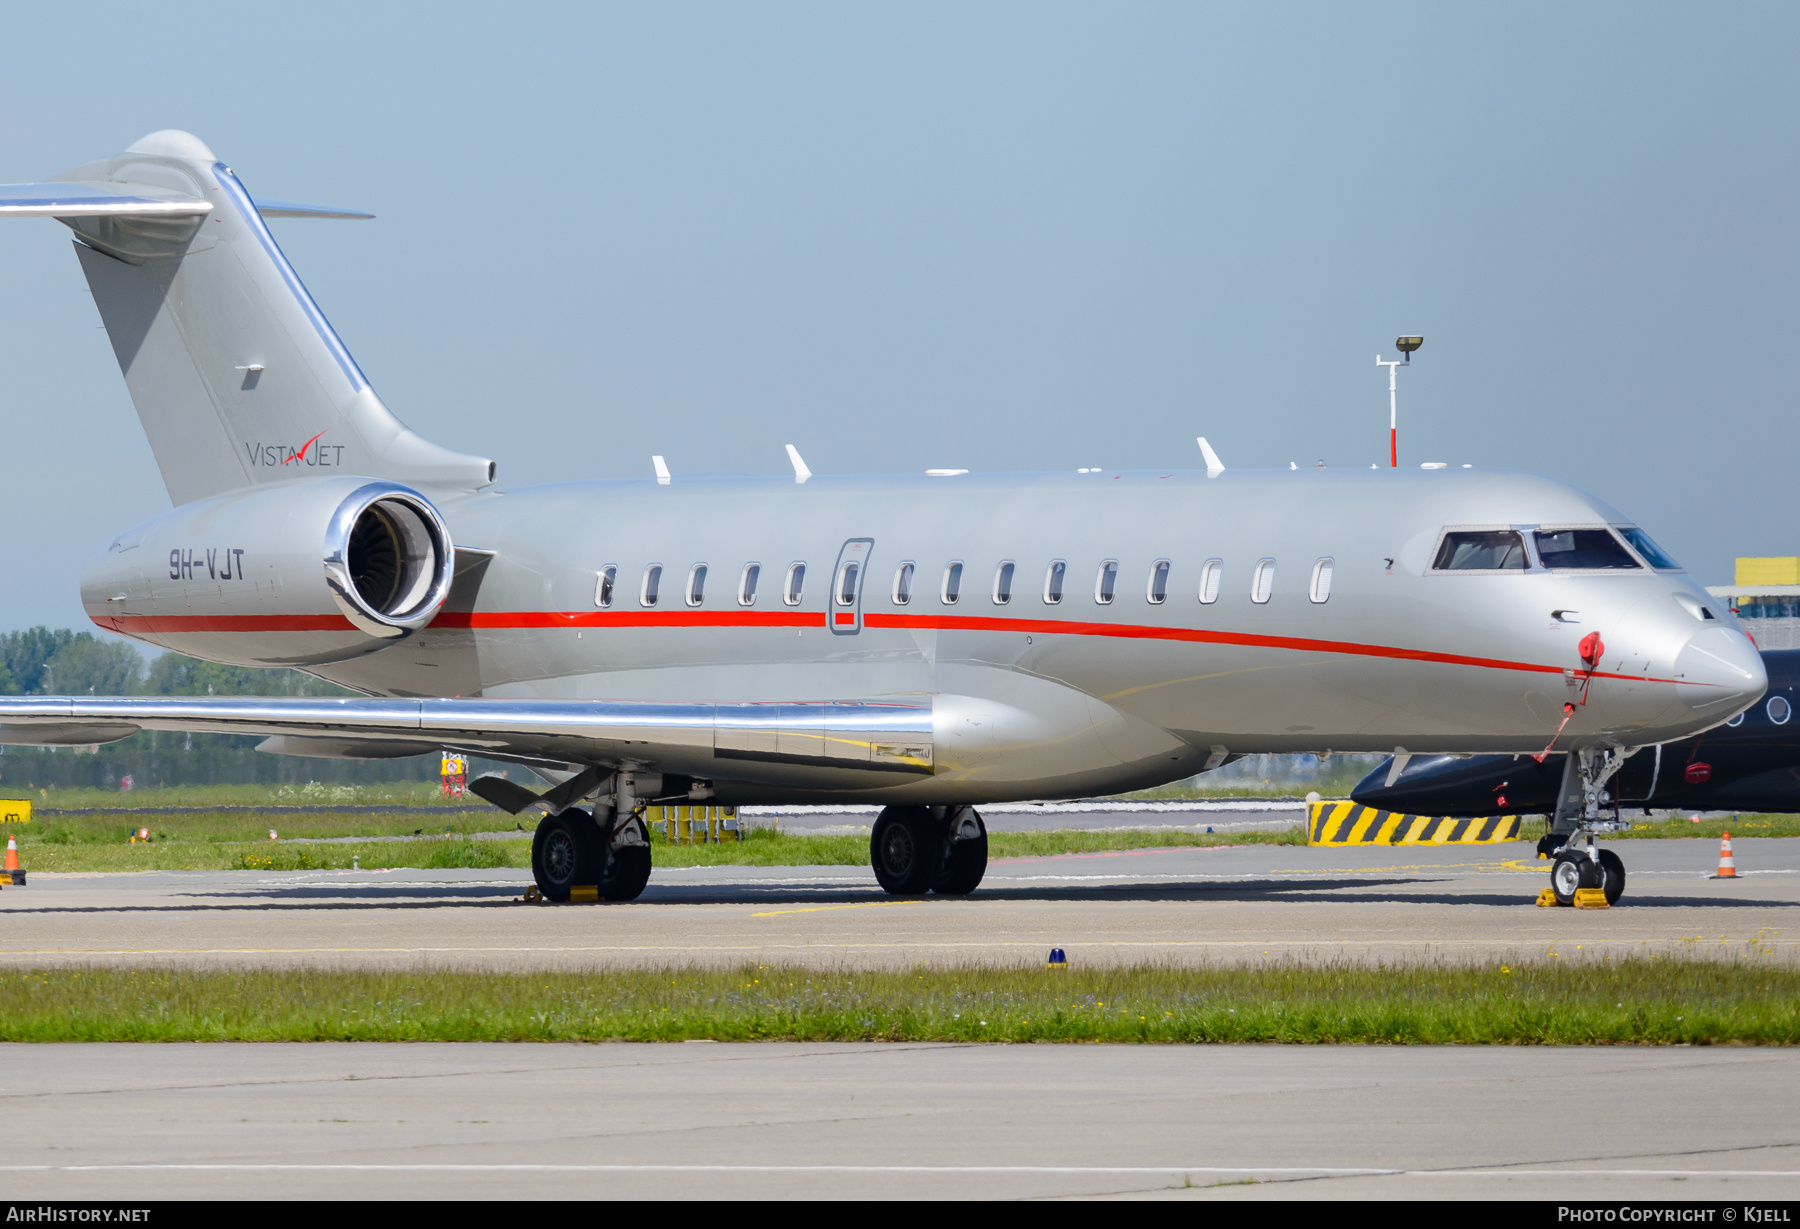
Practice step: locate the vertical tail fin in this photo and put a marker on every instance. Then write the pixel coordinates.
(236, 375)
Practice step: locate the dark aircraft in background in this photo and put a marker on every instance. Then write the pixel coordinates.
(1751, 763)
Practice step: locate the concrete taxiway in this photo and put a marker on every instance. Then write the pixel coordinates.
(1193, 905)
(475, 1121)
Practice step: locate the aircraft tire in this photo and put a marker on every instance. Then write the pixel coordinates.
(904, 850)
(629, 872)
(565, 851)
(964, 864)
(1570, 872)
(1612, 874)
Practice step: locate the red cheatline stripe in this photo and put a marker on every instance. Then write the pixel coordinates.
(1129, 631)
(626, 618)
(494, 619)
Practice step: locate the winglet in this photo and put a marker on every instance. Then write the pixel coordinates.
(1214, 466)
(662, 471)
(801, 473)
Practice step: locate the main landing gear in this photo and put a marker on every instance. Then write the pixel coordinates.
(603, 854)
(1577, 861)
(915, 850)
(573, 849)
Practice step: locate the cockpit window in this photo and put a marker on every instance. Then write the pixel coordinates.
(1653, 554)
(1481, 550)
(1590, 549)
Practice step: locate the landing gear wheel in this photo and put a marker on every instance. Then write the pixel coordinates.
(966, 861)
(1612, 874)
(1573, 871)
(626, 874)
(565, 851)
(905, 850)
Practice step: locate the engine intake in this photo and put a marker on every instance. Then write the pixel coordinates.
(296, 573)
(388, 560)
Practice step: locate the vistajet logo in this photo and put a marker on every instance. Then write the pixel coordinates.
(313, 454)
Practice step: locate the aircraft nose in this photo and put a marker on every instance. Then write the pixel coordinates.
(1719, 672)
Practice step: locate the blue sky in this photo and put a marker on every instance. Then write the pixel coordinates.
(992, 236)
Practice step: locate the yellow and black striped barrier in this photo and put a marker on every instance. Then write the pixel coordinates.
(686, 825)
(1346, 823)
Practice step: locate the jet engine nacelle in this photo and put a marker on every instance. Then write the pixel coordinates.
(301, 573)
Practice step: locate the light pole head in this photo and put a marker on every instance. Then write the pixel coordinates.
(1406, 345)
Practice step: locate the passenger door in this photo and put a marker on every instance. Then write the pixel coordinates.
(844, 603)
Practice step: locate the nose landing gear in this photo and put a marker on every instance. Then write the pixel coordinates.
(1578, 861)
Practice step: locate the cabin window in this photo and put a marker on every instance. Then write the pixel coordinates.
(796, 583)
(1003, 578)
(1482, 550)
(1582, 549)
(1320, 589)
(1105, 581)
(1157, 590)
(903, 578)
(1652, 553)
(603, 585)
(696, 586)
(1262, 582)
(1736, 721)
(652, 581)
(846, 594)
(1053, 582)
(1212, 572)
(952, 583)
(1779, 710)
(747, 584)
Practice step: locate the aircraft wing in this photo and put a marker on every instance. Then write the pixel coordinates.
(861, 741)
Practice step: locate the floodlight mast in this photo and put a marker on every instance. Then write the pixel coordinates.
(1406, 346)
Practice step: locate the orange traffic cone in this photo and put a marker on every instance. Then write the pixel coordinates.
(12, 853)
(1727, 866)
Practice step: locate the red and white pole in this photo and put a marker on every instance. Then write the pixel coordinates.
(1393, 409)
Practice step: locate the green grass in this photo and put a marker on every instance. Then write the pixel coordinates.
(104, 847)
(1737, 825)
(398, 793)
(1630, 1002)
(230, 826)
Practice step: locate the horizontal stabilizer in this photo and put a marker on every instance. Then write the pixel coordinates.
(94, 200)
(295, 209)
